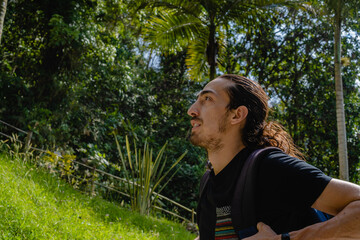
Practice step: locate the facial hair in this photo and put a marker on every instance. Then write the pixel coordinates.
(211, 143)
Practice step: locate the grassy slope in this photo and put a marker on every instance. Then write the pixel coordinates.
(36, 205)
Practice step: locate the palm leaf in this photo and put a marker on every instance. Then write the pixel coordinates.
(193, 8)
(221, 46)
(172, 31)
(196, 59)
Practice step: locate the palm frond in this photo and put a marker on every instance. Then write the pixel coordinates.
(196, 60)
(193, 8)
(221, 42)
(172, 31)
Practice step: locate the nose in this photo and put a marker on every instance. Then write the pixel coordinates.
(192, 111)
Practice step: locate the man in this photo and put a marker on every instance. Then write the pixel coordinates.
(229, 121)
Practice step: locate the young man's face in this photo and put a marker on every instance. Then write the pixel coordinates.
(210, 115)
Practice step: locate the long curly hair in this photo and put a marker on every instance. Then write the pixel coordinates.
(258, 132)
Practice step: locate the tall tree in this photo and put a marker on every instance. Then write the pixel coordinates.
(339, 7)
(200, 26)
(340, 112)
(3, 4)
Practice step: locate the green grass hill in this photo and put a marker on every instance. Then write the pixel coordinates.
(37, 205)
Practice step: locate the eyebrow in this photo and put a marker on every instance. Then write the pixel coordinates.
(203, 92)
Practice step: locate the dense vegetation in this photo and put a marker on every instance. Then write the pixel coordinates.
(75, 72)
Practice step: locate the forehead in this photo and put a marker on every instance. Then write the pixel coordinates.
(217, 87)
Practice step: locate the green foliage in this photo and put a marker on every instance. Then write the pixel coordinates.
(61, 33)
(200, 27)
(74, 72)
(291, 56)
(64, 163)
(93, 157)
(144, 175)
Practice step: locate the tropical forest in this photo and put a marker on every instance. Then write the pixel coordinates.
(94, 97)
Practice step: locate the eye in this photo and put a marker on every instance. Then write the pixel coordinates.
(207, 98)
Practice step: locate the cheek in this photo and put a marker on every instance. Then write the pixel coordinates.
(211, 115)
(213, 120)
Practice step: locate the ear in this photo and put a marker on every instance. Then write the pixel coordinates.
(239, 115)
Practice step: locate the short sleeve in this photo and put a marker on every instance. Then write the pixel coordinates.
(289, 184)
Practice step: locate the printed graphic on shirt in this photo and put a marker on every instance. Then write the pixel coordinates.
(224, 228)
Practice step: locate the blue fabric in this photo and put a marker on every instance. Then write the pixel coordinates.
(322, 216)
(247, 232)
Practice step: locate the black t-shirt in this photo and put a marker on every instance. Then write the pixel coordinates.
(287, 187)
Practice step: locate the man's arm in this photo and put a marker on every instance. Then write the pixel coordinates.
(339, 198)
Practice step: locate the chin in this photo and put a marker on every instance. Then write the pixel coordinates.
(195, 141)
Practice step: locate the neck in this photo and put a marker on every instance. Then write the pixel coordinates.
(220, 158)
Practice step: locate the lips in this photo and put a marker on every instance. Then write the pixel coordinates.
(195, 124)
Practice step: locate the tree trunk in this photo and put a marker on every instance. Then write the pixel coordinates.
(211, 51)
(340, 113)
(3, 4)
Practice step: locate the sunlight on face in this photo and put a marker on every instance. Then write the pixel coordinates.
(210, 115)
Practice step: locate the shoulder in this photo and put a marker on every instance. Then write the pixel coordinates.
(283, 163)
(281, 174)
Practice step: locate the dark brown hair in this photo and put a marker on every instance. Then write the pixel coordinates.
(258, 133)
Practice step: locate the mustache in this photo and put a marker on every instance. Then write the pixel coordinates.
(196, 118)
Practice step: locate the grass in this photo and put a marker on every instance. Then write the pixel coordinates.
(36, 205)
